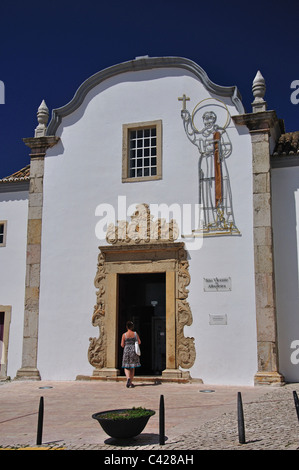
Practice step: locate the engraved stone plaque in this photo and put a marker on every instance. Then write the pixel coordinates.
(217, 284)
(218, 319)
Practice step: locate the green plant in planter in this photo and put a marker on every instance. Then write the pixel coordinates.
(128, 414)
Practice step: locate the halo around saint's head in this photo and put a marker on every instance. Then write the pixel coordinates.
(217, 107)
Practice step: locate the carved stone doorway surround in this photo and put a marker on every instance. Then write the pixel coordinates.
(159, 256)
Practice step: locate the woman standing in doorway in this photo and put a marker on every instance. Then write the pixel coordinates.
(130, 358)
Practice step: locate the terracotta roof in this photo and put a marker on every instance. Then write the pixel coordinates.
(21, 175)
(288, 144)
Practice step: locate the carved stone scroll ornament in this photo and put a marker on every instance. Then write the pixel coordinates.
(142, 229)
(185, 346)
(97, 346)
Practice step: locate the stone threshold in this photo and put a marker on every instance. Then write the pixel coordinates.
(154, 379)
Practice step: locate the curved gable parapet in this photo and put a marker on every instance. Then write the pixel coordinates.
(141, 64)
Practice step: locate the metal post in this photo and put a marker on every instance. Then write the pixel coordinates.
(161, 421)
(40, 422)
(296, 400)
(241, 427)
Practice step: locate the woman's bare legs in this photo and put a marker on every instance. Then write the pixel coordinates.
(132, 373)
(128, 376)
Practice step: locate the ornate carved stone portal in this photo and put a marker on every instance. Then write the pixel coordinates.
(142, 246)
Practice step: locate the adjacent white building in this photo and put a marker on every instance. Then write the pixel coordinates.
(148, 197)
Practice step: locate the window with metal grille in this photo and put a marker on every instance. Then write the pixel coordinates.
(142, 151)
(2, 233)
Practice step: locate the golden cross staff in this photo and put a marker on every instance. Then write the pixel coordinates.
(184, 98)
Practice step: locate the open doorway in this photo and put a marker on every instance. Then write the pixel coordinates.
(142, 299)
(5, 316)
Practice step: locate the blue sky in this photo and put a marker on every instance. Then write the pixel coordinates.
(47, 49)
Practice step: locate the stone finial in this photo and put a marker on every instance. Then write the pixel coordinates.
(42, 118)
(258, 87)
(258, 90)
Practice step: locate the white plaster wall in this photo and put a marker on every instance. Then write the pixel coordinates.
(285, 189)
(226, 354)
(84, 170)
(14, 209)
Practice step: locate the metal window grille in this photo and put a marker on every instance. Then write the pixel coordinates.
(143, 153)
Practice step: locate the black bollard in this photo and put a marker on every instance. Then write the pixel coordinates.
(161, 422)
(40, 422)
(296, 400)
(241, 427)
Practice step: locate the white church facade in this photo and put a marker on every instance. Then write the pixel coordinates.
(154, 197)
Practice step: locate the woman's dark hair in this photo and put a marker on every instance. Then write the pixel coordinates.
(130, 325)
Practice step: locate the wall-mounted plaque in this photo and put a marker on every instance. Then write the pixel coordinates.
(218, 319)
(217, 284)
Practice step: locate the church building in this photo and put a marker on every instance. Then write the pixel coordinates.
(153, 196)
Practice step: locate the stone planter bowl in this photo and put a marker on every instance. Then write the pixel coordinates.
(122, 428)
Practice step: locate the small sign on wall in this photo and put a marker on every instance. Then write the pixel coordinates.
(218, 319)
(217, 284)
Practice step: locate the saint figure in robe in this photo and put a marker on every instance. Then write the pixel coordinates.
(215, 194)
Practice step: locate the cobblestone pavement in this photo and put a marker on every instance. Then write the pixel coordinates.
(195, 421)
(271, 423)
